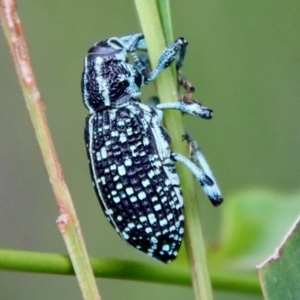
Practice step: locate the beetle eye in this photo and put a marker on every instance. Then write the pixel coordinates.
(104, 50)
(115, 44)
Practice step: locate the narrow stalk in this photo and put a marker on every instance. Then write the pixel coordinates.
(167, 91)
(67, 222)
(165, 18)
(48, 263)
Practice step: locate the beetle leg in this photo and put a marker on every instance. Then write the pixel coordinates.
(191, 107)
(204, 177)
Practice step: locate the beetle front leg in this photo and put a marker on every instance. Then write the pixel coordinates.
(177, 48)
(142, 62)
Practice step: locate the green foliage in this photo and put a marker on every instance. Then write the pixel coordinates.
(279, 275)
(254, 223)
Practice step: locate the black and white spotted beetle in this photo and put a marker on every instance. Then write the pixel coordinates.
(131, 162)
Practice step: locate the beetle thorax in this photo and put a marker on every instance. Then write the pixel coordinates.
(109, 83)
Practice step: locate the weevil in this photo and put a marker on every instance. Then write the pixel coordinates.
(129, 151)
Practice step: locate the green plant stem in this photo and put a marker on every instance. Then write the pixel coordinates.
(167, 91)
(67, 222)
(47, 263)
(165, 18)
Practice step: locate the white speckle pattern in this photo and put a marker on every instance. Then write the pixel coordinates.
(146, 141)
(148, 229)
(133, 199)
(151, 174)
(98, 157)
(116, 199)
(113, 167)
(169, 217)
(123, 138)
(157, 207)
(121, 170)
(163, 222)
(152, 218)
(145, 183)
(125, 235)
(166, 247)
(128, 162)
(154, 240)
(142, 195)
(143, 219)
(131, 225)
(172, 228)
(129, 191)
(103, 153)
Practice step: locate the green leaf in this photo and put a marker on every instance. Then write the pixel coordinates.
(254, 223)
(279, 275)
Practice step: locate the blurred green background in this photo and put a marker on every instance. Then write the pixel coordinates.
(243, 59)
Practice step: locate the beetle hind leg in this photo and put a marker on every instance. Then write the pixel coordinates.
(204, 174)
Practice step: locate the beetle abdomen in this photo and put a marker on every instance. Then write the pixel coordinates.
(136, 189)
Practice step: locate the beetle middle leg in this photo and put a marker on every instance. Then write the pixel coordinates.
(191, 107)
